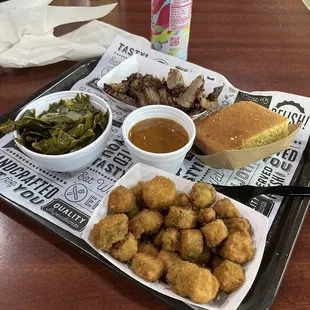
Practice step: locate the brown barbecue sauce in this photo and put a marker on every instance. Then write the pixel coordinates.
(158, 135)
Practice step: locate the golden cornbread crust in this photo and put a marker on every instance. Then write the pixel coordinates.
(241, 125)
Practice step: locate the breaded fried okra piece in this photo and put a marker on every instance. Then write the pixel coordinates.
(159, 193)
(145, 222)
(147, 267)
(202, 195)
(188, 280)
(230, 276)
(169, 258)
(137, 191)
(109, 230)
(133, 211)
(181, 200)
(214, 233)
(121, 200)
(171, 240)
(206, 216)
(147, 248)
(215, 261)
(157, 241)
(178, 276)
(126, 249)
(203, 286)
(203, 258)
(238, 248)
(238, 224)
(191, 243)
(181, 217)
(224, 209)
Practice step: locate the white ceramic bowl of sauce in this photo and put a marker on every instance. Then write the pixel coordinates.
(171, 161)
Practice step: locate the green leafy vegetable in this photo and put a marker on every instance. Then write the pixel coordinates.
(67, 126)
(7, 127)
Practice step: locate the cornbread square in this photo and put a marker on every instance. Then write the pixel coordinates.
(241, 125)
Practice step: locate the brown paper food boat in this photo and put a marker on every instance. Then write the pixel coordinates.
(235, 159)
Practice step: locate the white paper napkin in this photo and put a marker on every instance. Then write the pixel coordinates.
(307, 3)
(27, 39)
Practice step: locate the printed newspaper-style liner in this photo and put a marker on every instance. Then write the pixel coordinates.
(142, 172)
(144, 65)
(282, 234)
(240, 158)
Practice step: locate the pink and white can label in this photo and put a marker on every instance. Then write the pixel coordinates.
(171, 21)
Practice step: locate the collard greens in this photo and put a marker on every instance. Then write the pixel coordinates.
(67, 126)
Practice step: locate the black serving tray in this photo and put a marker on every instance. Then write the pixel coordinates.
(281, 238)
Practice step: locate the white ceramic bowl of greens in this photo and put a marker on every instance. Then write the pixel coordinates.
(78, 158)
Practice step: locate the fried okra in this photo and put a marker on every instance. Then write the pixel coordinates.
(203, 258)
(169, 258)
(109, 230)
(147, 267)
(171, 240)
(215, 261)
(224, 209)
(203, 286)
(191, 243)
(216, 250)
(137, 191)
(202, 195)
(238, 224)
(181, 237)
(181, 200)
(206, 216)
(159, 193)
(238, 248)
(157, 241)
(145, 222)
(181, 217)
(121, 200)
(126, 249)
(178, 276)
(147, 248)
(214, 233)
(133, 211)
(230, 276)
(188, 280)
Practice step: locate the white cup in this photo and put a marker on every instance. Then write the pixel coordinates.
(172, 161)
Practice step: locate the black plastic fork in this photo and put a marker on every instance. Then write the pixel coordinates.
(245, 193)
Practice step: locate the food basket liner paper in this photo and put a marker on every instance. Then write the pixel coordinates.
(235, 159)
(144, 65)
(141, 172)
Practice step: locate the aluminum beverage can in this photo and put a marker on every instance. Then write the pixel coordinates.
(170, 26)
